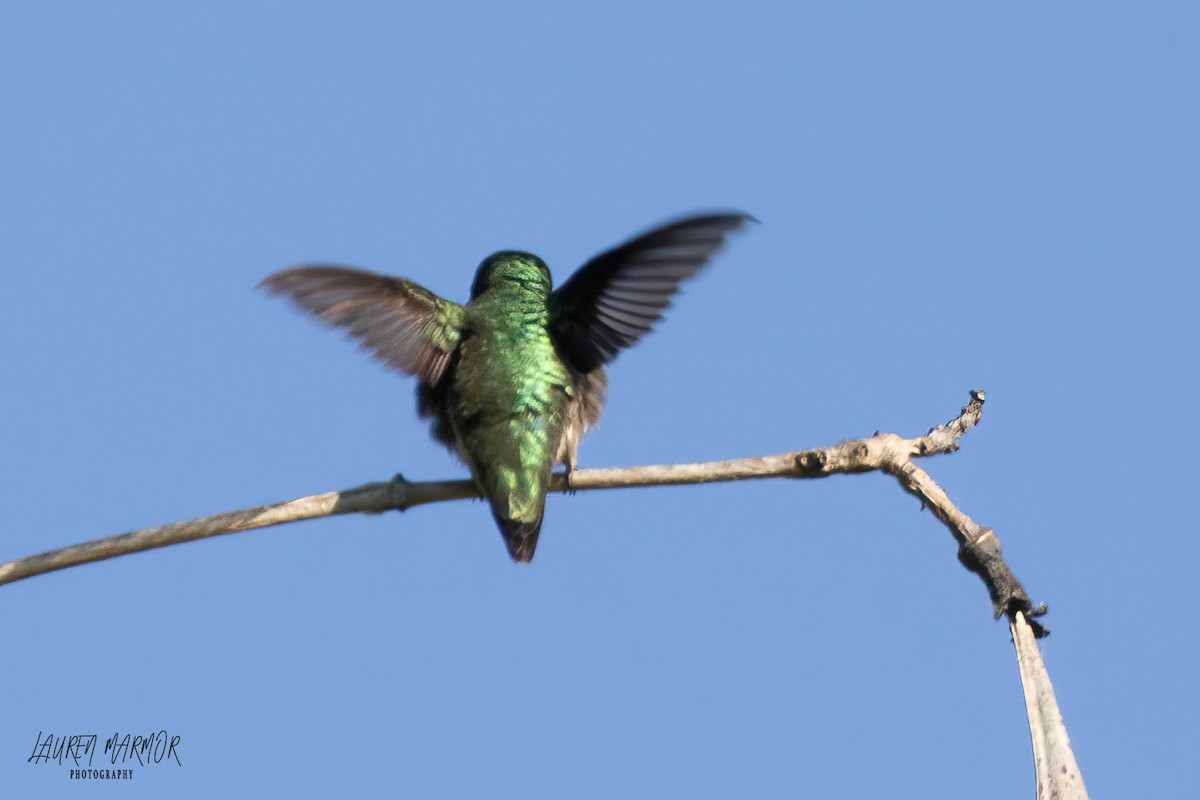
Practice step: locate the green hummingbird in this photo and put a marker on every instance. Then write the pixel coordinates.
(512, 379)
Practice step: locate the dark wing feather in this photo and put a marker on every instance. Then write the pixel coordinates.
(614, 300)
(404, 325)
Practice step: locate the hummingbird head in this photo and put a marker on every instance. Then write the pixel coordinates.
(511, 268)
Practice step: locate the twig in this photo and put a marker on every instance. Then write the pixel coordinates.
(979, 549)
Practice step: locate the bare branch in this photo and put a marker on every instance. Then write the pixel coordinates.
(979, 549)
(1058, 774)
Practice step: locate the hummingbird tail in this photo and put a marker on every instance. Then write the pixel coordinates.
(520, 537)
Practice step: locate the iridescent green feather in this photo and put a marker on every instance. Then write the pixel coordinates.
(508, 397)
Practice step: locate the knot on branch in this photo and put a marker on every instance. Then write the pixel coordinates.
(811, 463)
(398, 491)
(982, 555)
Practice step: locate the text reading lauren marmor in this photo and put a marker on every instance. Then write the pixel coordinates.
(122, 755)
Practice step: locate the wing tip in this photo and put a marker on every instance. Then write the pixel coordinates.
(272, 283)
(731, 218)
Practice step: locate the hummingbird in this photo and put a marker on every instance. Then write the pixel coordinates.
(515, 376)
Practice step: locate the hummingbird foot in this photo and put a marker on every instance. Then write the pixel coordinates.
(568, 470)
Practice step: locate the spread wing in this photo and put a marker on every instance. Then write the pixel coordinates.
(400, 323)
(614, 300)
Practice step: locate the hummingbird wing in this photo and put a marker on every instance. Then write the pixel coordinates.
(400, 323)
(614, 300)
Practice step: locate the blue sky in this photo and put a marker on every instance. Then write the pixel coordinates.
(950, 198)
